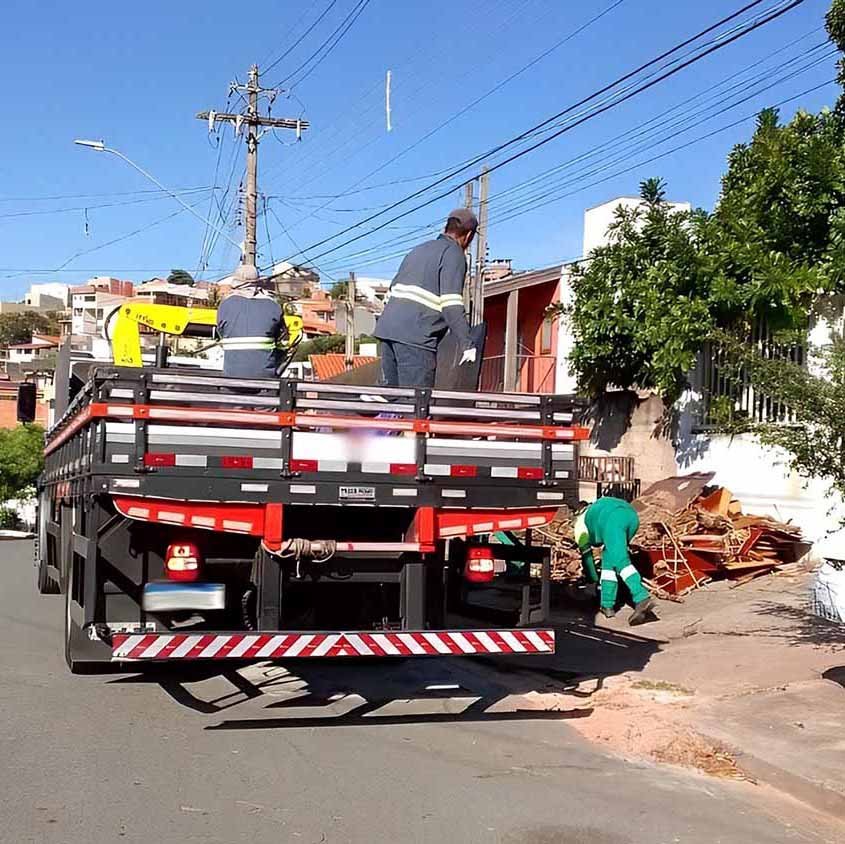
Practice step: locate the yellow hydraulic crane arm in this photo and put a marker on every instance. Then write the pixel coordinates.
(169, 319)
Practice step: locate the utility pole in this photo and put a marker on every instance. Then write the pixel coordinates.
(477, 304)
(254, 122)
(469, 202)
(350, 322)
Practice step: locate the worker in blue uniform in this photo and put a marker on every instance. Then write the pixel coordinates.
(426, 300)
(251, 327)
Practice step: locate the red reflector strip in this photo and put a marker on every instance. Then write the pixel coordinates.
(157, 458)
(169, 646)
(403, 469)
(530, 473)
(236, 462)
(303, 465)
(459, 471)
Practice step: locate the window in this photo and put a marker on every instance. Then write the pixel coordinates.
(77, 312)
(546, 337)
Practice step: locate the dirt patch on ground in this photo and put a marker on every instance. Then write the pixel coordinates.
(645, 720)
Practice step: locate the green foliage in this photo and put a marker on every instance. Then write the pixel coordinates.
(21, 459)
(339, 290)
(19, 328)
(640, 306)
(326, 345)
(320, 346)
(180, 277)
(774, 243)
(813, 436)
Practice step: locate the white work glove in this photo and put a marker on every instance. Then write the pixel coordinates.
(469, 356)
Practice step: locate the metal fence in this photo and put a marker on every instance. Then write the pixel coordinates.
(719, 379)
(534, 374)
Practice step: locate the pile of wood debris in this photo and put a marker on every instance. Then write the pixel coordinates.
(707, 537)
(690, 533)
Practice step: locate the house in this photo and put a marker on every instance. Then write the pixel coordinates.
(48, 296)
(40, 348)
(318, 315)
(526, 350)
(522, 343)
(161, 292)
(90, 306)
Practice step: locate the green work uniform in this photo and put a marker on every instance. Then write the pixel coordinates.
(610, 523)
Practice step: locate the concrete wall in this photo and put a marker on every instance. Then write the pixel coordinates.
(630, 425)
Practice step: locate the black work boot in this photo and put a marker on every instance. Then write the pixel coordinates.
(607, 612)
(641, 612)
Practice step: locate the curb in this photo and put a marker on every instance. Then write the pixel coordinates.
(807, 791)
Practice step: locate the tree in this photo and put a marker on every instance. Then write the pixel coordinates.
(21, 459)
(814, 434)
(180, 277)
(19, 327)
(320, 346)
(773, 247)
(339, 290)
(639, 314)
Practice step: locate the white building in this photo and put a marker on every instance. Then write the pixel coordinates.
(597, 220)
(89, 310)
(40, 347)
(53, 294)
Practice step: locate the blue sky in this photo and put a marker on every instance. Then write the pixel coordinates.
(136, 74)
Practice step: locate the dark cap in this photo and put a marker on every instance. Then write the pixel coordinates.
(465, 217)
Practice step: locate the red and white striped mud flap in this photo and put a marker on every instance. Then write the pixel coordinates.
(171, 646)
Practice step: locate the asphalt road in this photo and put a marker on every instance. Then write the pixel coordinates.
(331, 753)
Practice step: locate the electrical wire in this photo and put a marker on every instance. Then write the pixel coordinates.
(767, 17)
(119, 239)
(299, 40)
(42, 211)
(495, 89)
(315, 156)
(651, 160)
(651, 132)
(328, 45)
(296, 246)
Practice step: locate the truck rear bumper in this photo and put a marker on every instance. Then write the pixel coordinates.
(277, 645)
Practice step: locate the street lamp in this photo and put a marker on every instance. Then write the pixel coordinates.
(100, 146)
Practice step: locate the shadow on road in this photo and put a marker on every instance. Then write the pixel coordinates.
(340, 692)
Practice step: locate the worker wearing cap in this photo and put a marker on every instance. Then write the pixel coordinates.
(610, 523)
(251, 327)
(426, 301)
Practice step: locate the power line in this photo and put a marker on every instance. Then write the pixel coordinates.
(628, 169)
(99, 195)
(42, 211)
(299, 40)
(753, 25)
(329, 44)
(352, 134)
(495, 89)
(296, 245)
(119, 239)
(653, 131)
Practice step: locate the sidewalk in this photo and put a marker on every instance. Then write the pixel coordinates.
(738, 682)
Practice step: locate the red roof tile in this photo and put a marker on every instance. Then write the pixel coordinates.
(328, 366)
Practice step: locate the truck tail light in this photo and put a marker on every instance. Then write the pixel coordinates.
(480, 567)
(182, 561)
